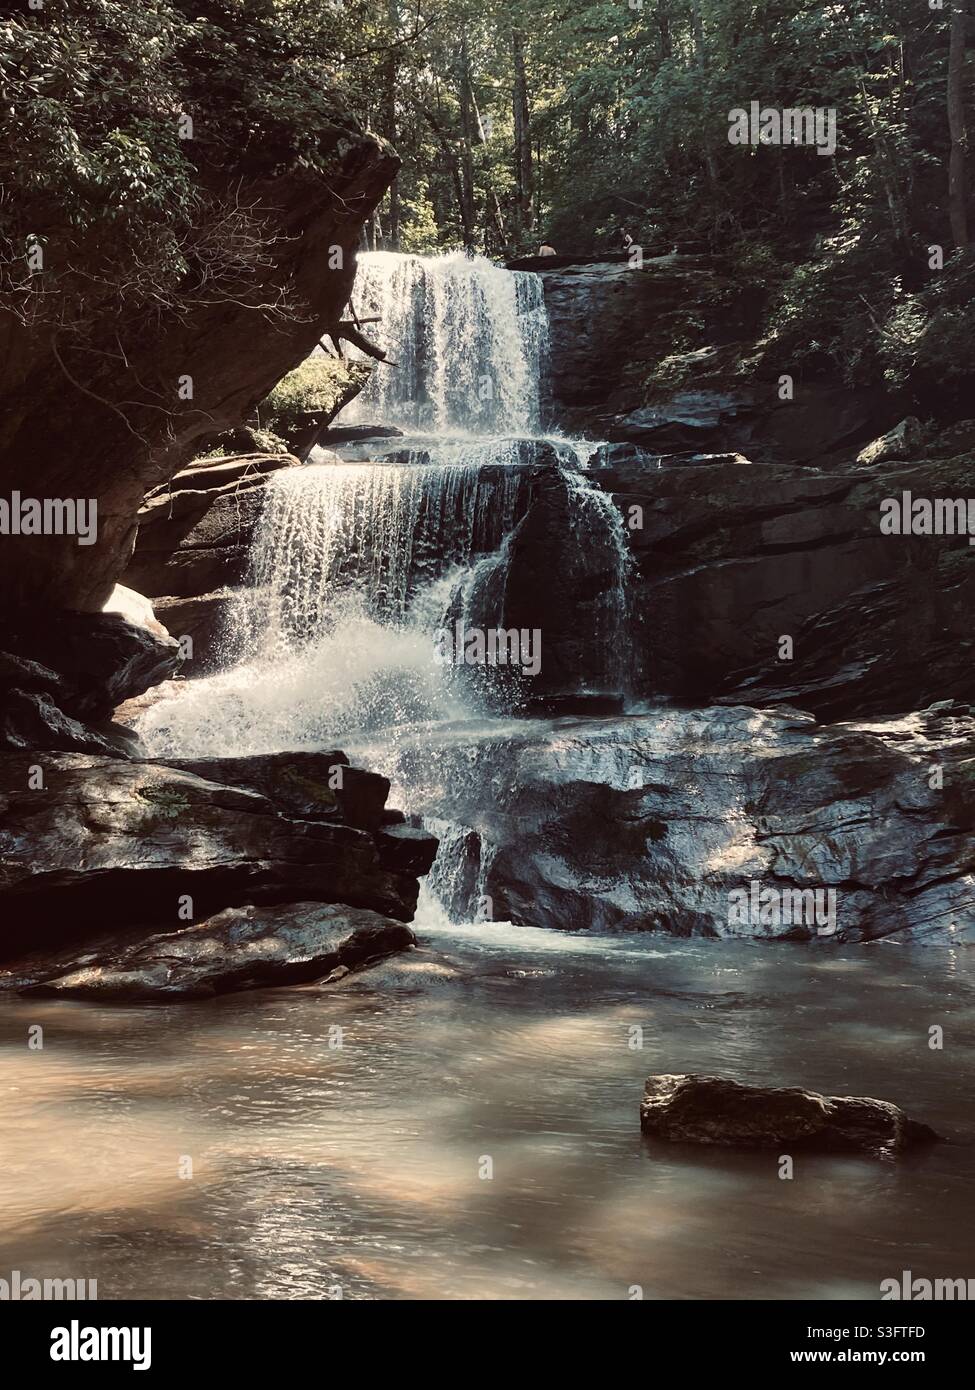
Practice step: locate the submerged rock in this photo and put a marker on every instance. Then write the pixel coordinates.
(418, 970)
(694, 1109)
(239, 949)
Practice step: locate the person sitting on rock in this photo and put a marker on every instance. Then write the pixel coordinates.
(546, 250)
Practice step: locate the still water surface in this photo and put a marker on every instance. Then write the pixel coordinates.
(318, 1168)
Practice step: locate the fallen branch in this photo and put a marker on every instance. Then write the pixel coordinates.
(347, 330)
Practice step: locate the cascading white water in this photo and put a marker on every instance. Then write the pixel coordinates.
(384, 531)
(354, 565)
(468, 339)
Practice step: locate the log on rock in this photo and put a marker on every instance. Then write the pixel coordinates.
(694, 1109)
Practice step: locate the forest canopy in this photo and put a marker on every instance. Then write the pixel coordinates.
(520, 122)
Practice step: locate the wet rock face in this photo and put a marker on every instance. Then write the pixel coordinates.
(708, 823)
(692, 1109)
(731, 557)
(240, 948)
(621, 370)
(112, 843)
(560, 579)
(195, 533)
(606, 321)
(62, 674)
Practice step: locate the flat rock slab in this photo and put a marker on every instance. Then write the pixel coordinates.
(693, 1109)
(239, 949)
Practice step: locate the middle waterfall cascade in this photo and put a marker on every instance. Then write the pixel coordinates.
(355, 565)
(381, 531)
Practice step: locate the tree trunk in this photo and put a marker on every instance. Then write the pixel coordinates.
(467, 147)
(701, 55)
(663, 27)
(453, 169)
(524, 170)
(388, 76)
(958, 162)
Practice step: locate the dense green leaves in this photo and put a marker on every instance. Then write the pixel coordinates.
(518, 121)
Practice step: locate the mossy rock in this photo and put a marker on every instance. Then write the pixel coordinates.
(167, 803)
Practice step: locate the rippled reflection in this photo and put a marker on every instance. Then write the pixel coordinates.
(316, 1168)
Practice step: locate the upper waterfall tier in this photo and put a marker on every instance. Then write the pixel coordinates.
(468, 340)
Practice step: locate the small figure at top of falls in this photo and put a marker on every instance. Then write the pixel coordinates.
(470, 340)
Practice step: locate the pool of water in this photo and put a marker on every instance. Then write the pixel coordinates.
(465, 1126)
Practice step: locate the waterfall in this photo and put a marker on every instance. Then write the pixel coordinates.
(468, 339)
(354, 566)
(383, 531)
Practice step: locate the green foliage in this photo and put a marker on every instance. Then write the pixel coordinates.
(629, 114)
(321, 385)
(627, 130)
(94, 166)
(930, 334)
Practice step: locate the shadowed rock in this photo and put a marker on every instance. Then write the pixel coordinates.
(693, 1109)
(62, 674)
(238, 949)
(107, 841)
(197, 540)
(729, 557)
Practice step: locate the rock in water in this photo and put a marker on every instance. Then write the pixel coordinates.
(238, 949)
(692, 1109)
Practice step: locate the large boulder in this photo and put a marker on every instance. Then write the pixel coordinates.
(692, 1109)
(564, 576)
(607, 320)
(195, 533)
(670, 355)
(30, 719)
(706, 823)
(207, 621)
(240, 948)
(318, 785)
(104, 842)
(100, 659)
